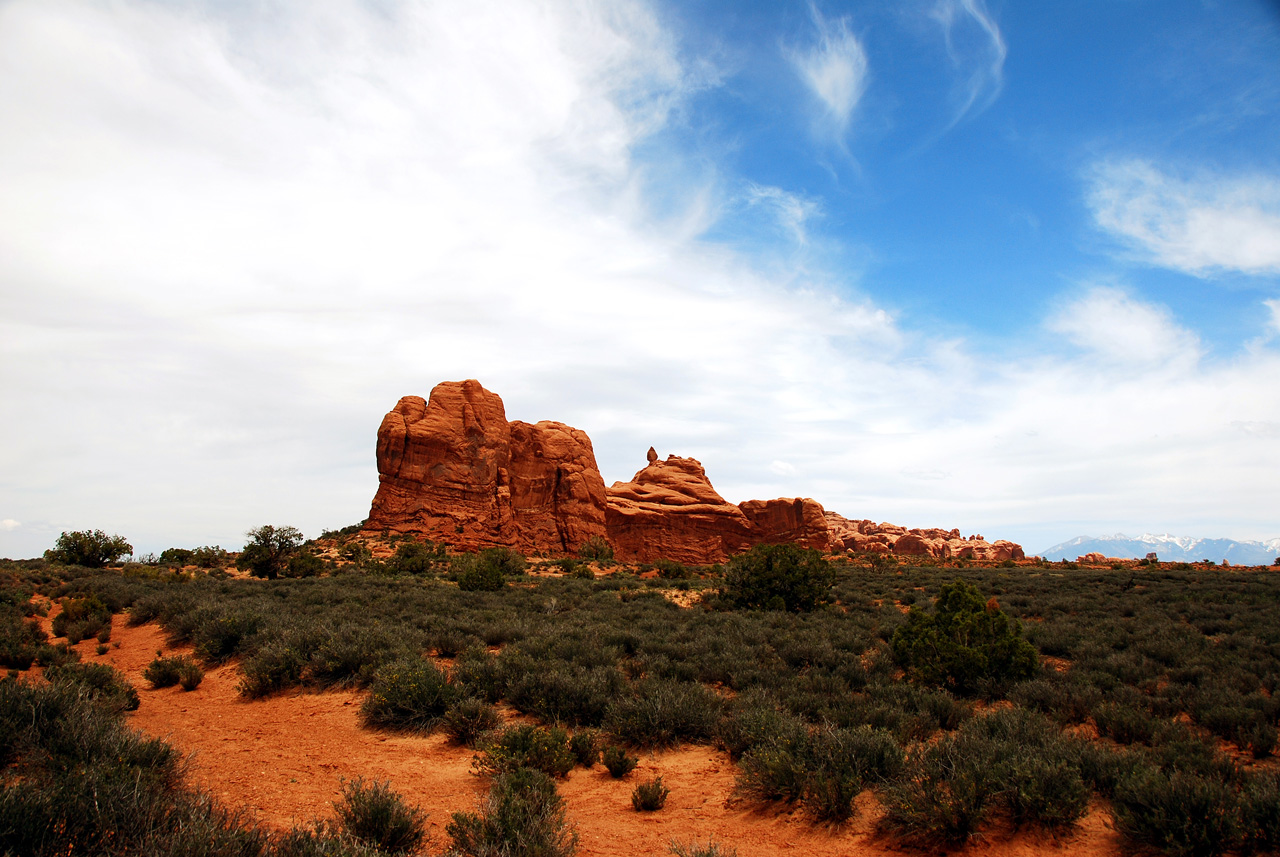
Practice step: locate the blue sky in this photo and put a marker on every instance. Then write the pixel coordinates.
(1012, 268)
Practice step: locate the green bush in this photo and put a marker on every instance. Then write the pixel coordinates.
(663, 713)
(179, 669)
(378, 816)
(649, 796)
(522, 815)
(268, 551)
(411, 694)
(81, 618)
(418, 558)
(1180, 814)
(585, 746)
(1260, 816)
(304, 562)
(595, 548)
(540, 748)
(669, 569)
(964, 643)
(19, 640)
(778, 577)
(945, 793)
(476, 574)
(618, 762)
(470, 719)
(100, 681)
(89, 548)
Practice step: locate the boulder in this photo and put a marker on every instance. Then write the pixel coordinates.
(867, 536)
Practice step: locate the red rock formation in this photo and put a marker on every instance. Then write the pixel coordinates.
(889, 538)
(669, 510)
(454, 470)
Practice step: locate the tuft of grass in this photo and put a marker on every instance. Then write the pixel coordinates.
(650, 796)
(695, 849)
(521, 815)
(469, 720)
(585, 746)
(618, 762)
(376, 815)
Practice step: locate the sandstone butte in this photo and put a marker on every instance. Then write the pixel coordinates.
(453, 469)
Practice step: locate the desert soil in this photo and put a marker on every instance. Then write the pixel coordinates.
(283, 759)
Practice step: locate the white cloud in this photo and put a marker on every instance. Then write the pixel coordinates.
(229, 242)
(1113, 325)
(1198, 224)
(1274, 307)
(835, 70)
(9, 524)
(977, 50)
(791, 211)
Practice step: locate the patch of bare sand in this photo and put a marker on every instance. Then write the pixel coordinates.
(282, 758)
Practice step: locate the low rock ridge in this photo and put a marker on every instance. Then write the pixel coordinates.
(455, 470)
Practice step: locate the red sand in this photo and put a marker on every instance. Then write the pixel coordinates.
(283, 758)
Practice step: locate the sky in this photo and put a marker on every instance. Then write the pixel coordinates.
(1007, 267)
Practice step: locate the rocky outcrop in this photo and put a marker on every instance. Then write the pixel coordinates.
(455, 470)
(868, 536)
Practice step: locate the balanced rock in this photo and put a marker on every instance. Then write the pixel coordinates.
(455, 470)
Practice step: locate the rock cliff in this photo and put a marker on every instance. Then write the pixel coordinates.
(454, 470)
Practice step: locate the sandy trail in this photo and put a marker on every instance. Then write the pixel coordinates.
(283, 758)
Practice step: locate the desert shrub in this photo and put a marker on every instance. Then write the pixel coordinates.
(1260, 814)
(540, 748)
(100, 681)
(755, 719)
(478, 673)
(89, 548)
(351, 653)
(582, 571)
(1064, 700)
(219, 635)
(841, 763)
(649, 796)
(1124, 723)
(669, 569)
(696, 849)
(476, 574)
(55, 655)
(469, 719)
(778, 577)
(268, 550)
(178, 669)
(663, 713)
(945, 793)
(965, 642)
(378, 816)
(410, 694)
(564, 692)
(275, 666)
(81, 618)
(618, 762)
(320, 839)
(775, 770)
(1180, 814)
(413, 557)
(595, 548)
(521, 815)
(19, 640)
(304, 562)
(585, 746)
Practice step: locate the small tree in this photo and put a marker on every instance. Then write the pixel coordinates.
(778, 577)
(268, 550)
(964, 641)
(90, 548)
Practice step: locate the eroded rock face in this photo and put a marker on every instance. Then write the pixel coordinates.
(890, 538)
(669, 510)
(454, 470)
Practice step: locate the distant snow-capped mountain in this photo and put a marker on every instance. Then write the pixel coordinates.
(1168, 548)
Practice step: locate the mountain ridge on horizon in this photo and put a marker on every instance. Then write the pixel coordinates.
(1168, 547)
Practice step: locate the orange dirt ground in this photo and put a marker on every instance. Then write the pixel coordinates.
(282, 760)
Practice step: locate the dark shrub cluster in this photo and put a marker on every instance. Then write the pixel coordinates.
(88, 548)
(544, 749)
(376, 815)
(411, 694)
(967, 641)
(82, 618)
(778, 577)
(650, 796)
(618, 761)
(178, 669)
(522, 814)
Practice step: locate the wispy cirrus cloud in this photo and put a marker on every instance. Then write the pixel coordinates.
(835, 69)
(977, 50)
(1201, 223)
